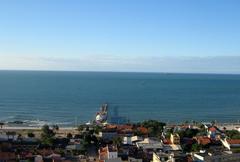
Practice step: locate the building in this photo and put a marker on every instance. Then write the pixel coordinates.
(108, 152)
(203, 140)
(131, 140)
(149, 144)
(175, 139)
(214, 133)
(172, 148)
(231, 144)
(107, 134)
(172, 157)
(220, 157)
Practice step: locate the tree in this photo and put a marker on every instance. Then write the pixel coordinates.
(31, 135)
(47, 135)
(195, 147)
(69, 135)
(233, 134)
(137, 132)
(155, 127)
(117, 141)
(1, 125)
(188, 133)
(81, 128)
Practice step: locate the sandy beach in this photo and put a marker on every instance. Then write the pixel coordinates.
(24, 130)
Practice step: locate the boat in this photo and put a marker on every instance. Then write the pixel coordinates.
(102, 115)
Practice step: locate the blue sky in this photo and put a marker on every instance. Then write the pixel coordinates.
(121, 35)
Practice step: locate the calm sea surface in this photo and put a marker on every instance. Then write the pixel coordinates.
(69, 97)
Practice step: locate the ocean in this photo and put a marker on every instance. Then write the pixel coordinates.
(69, 98)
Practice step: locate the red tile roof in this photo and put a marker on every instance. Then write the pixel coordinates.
(203, 140)
(121, 127)
(212, 129)
(167, 141)
(111, 127)
(233, 141)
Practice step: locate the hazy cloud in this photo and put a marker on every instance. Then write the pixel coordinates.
(218, 64)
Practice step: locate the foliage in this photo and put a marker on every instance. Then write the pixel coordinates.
(235, 150)
(196, 147)
(190, 133)
(137, 133)
(47, 135)
(81, 128)
(169, 132)
(117, 141)
(69, 136)
(154, 127)
(31, 135)
(187, 147)
(233, 134)
(97, 129)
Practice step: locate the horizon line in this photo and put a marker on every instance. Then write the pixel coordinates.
(107, 71)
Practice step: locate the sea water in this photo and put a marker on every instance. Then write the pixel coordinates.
(68, 98)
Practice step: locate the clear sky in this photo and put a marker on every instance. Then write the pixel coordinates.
(121, 35)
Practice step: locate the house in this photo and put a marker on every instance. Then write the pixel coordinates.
(220, 157)
(75, 147)
(160, 157)
(131, 159)
(203, 140)
(231, 143)
(175, 139)
(172, 148)
(125, 130)
(108, 133)
(172, 157)
(38, 158)
(108, 152)
(131, 140)
(149, 144)
(75, 144)
(214, 133)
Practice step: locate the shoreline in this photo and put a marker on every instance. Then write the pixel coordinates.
(231, 125)
(32, 128)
